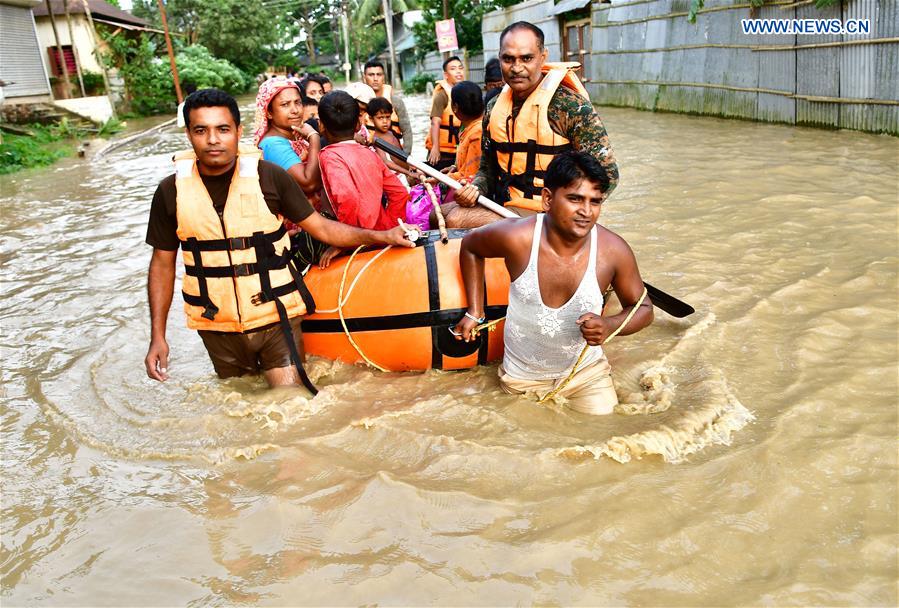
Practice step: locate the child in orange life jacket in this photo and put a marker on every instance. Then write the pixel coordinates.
(362, 190)
(468, 106)
(380, 111)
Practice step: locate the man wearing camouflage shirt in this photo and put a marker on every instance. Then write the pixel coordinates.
(512, 167)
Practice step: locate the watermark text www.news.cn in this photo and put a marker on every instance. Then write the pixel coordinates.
(790, 27)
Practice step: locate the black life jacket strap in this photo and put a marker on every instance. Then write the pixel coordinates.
(529, 146)
(395, 127)
(453, 130)
(274, 262)
(287, 330)
(526, 181)
(209, 308)
(265, 251)
(305, 294)
(238, 243)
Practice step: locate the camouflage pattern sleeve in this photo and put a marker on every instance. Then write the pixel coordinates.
(575, 118)
(484, 179)
(405, 124)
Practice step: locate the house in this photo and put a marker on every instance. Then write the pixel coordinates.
(23, 78)
(404, 44)
(83, 54)
(81, 51)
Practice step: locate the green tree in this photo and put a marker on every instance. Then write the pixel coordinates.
(371, 11)
(241, 32)
(197, 66)
(468, 15)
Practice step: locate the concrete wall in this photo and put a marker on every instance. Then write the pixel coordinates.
(645, 54)
(95, 109)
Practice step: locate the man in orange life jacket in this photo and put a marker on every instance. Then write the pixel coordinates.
(399, 121)
(542, 111)
(224, 207)
(443, 137)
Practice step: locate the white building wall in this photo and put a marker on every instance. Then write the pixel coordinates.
(84, 41)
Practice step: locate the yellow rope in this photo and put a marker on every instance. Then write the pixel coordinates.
(489, 326)
(341, 302)
(580, 357)
(349, 292)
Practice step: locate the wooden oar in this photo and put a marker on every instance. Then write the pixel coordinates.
(664, 301)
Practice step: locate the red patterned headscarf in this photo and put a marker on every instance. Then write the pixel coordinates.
(267, 91)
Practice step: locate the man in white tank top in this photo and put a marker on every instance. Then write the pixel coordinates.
(560, 263)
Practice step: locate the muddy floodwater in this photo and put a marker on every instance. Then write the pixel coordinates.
(753, 460)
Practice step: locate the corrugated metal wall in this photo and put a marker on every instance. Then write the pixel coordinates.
(647, 55)
(20, 55)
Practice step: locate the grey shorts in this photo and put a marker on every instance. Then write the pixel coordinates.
(252, 352)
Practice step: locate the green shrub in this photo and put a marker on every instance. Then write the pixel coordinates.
(93, 83)
(148, 78)
(418, 83)
(22, 151)
(197, 66)
(110, 128)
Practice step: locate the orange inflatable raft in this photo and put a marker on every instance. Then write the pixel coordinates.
(398, 306)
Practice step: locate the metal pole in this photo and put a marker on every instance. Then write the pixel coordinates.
(388, 25)
(60, 56)
(168, 44)
(446, 54)
(346, 45)
(74, 49)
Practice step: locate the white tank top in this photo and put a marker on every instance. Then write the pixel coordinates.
(543, 343)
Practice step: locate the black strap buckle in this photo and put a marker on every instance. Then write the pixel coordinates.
(238, 242)
(243, 270)
(210, 311)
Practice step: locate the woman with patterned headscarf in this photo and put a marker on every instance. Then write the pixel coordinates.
(282, 136)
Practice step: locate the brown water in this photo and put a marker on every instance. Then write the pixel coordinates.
(767, 475)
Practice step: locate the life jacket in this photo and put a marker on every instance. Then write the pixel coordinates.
(522, 147)
(237, 270)
(449, 122)
(394, 117)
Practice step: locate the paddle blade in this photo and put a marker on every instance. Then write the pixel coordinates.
(668, 303)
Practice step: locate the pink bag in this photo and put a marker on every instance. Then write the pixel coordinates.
(420, 206)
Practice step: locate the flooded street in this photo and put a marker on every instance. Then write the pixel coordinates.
(753, 461)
